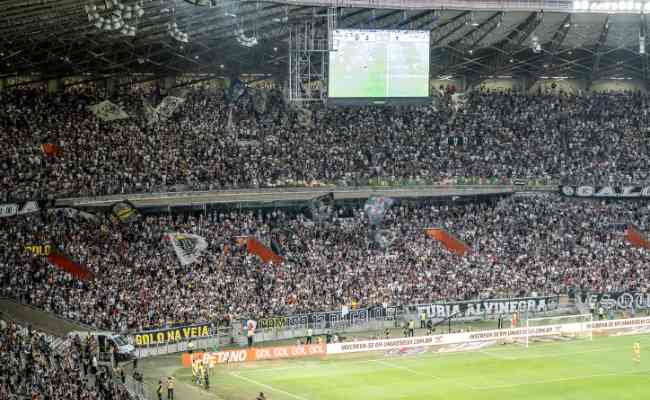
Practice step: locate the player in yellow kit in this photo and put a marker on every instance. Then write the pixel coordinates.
(636, 352)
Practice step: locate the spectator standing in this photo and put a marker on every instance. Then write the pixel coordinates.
(170, 388)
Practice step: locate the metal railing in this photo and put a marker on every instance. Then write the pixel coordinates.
(562, 6)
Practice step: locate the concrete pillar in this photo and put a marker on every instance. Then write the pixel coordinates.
(110, 85)
(54, 86)
(166, 84)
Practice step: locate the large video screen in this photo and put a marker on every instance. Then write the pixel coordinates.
(377, 64)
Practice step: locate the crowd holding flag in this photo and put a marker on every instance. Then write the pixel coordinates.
(108, 111)
(188, 247)
(163, 111)
(321, 207)
(265, 254)
(125, 212)
(51, 149)
(449, 241)
(61, 260)
(376, 208)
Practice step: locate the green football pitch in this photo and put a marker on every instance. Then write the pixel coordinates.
(582, 369)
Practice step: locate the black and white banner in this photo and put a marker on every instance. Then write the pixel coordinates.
(165, 109)
(108, 111)
(617, 300)
(493, 307)
(74, 214)
(21, 208)
(188, 247)
(622, 192)
(326, 320)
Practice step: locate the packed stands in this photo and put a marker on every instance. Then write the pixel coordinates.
(54, 146)
(522, 245)
(34, 365)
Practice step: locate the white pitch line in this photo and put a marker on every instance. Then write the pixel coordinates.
(496, 353)
(269, 387)
(551, 355)
(573, 378)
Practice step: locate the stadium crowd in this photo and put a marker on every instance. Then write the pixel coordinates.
(208, 144)
(37, 366)
(542, 244)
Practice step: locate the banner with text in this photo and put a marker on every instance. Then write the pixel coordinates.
(491, 335)
(492, 307)
(21, 208)
(324, 320)
(617, 300)
(171, 335)
(262, 353)
(621, 192)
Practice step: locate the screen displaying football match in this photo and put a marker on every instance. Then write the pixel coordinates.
(379, 64)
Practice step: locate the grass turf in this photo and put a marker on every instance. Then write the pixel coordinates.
(575, 370)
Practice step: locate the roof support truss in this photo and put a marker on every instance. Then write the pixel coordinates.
(598, 52)
(550, 50)
(643, 37)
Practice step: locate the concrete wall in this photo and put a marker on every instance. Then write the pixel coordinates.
(572, 86)
(54, 86)
(615, 85)
(501, 84)
(457, 82)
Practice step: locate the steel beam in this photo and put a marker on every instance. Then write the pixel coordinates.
(598, 52)
(448, 28)
(643, 33)
(550, 50)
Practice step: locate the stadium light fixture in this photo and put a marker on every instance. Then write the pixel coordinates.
(177, 34)
(641, 44)
(119, 15)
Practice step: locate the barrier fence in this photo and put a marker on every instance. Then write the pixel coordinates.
(587, 328)
(205, 337)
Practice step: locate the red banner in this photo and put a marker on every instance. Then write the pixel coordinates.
(448, 240)
(51, 149)
(636, 238)
(264, 253)
(256, 354)
(65, 263)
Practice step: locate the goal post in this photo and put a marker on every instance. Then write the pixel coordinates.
(561, 327)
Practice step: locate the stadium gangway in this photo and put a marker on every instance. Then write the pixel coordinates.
(562, 6)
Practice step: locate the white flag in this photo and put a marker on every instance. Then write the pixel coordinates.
(149, 112)
(108, 111)
(188, 247)
(167, 107)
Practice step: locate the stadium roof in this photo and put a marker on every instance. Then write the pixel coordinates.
(70, 37)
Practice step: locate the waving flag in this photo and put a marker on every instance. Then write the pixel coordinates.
(321, 207)
(376, 208)
(256, 247)
(451, 242)
(125, 212)
(64, 262)
(51, 149)
(108, 111)
(188, 247)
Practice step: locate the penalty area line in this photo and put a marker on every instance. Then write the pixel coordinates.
(269, 387)
(573, 378)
